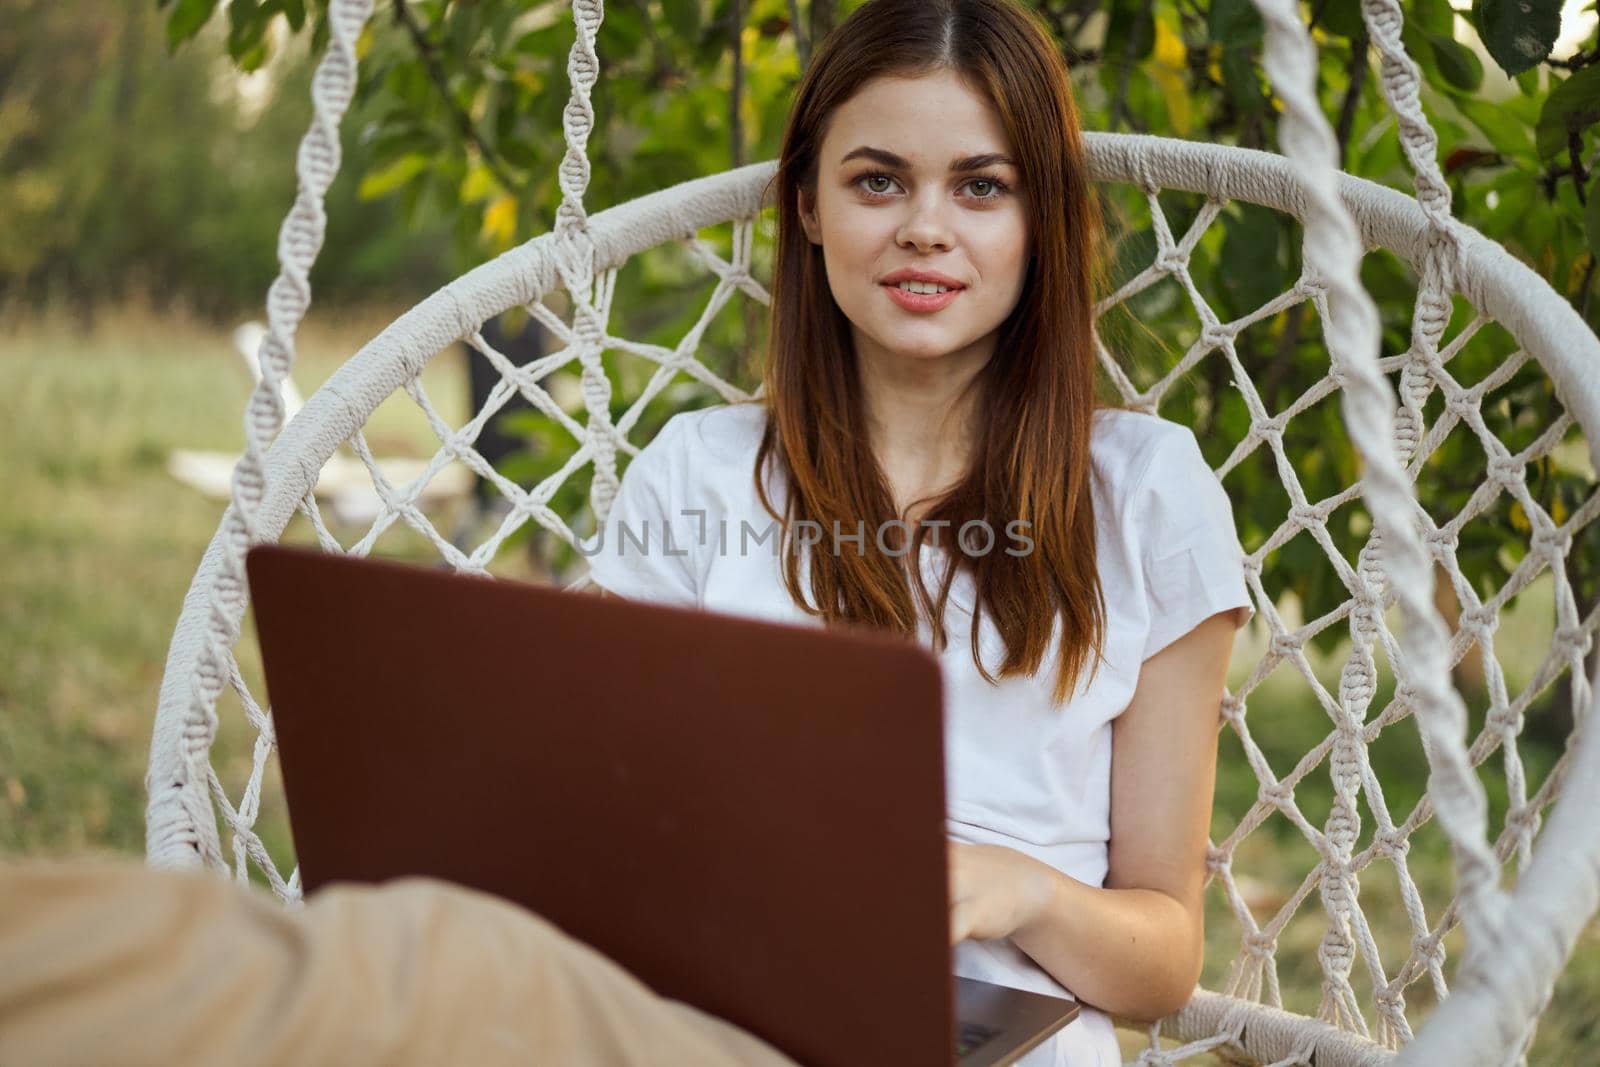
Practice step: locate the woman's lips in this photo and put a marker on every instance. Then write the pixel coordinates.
(922, 301)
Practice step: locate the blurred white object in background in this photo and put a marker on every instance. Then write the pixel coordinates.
(345, 487)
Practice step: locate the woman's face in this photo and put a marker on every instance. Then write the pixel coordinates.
(914, 175)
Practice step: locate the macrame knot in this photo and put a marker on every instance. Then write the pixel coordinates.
(1481, 619)
(1311, 284)
(1572, 641)
(1215, 335)
(1342, 826)
(1441, 542)
(1149, 1057)
(1260, 945)
(1429, 948)
(1337, 953)
(1308, 516)
(1506, 471)
(1390, 1002)
(1170, 261)
(1284, 646)
(1271, 429)
(1232, 707)
(1391, 843)
(1275, 794)
(1552, 542)
(1461, 404)
(1504, 720)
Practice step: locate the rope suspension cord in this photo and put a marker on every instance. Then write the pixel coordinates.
(180, 808)
(1333, 252)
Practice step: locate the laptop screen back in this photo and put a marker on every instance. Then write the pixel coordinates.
(748, 816)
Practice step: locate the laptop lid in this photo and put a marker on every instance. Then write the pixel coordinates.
(800, 856)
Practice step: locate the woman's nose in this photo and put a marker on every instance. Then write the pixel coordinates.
(925, 228)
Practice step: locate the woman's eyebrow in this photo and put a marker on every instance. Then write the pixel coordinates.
(889, 159)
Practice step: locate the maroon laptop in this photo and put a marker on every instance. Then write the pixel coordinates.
(748, 816)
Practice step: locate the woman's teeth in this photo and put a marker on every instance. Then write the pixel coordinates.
(923, 287)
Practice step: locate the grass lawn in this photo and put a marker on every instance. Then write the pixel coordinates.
(98, 544)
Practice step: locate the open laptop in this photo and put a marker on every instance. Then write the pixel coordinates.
(748, 816)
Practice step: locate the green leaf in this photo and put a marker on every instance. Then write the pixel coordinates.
(186, 19)
(1343, 17)
(1574, 104)
(1414, 38)
(683, 18)
(1252, 251)
(1243, 82)
(244, 26)
(1131, 33)
(1435, 16)
(1233, 21)
(621, 34)
(1519, 34)
(295, 12)
(1457, 63)
(387, 179)
(319, 32)
(1504, 130)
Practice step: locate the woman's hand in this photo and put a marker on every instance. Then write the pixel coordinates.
(995, 891)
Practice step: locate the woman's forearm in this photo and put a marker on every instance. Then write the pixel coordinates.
(1130, 952)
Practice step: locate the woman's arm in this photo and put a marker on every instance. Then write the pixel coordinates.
(1134, 948)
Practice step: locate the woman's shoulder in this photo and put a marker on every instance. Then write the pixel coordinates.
(1124, 444)
(730, 431)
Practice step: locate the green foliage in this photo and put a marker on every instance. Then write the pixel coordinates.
(128, 171)
(1518, 33)
(466, 102)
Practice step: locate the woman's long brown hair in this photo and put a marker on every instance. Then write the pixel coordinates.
(1035, 397)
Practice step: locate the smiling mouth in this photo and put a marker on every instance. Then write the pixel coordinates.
(921, 302)
(923, 288)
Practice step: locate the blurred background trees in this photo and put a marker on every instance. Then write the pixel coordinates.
(128, 171)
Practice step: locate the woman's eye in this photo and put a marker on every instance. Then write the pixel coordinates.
(883, 184)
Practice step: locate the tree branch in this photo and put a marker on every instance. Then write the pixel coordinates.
(1357, 72)
(1576, 61)
(735, 121)
(802, 43)
(428, 52)
(823, 15)
(1580, 177)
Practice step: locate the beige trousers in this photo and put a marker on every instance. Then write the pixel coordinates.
(108, 962)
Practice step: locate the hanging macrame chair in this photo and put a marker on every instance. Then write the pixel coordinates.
(1516, 940)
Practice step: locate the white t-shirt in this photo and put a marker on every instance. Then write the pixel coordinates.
(687, 528)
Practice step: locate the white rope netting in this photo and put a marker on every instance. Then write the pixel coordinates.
(1395, 662)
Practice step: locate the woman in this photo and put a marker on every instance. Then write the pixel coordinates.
(931, 372)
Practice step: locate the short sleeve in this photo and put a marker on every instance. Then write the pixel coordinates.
(643, 549)
(1189, 548)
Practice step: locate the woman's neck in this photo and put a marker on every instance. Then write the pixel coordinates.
(921, 418)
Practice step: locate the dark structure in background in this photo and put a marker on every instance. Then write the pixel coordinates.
(495, 442)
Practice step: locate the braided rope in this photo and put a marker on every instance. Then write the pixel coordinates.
(1333, 254)
(299, 240)
(576, 263)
